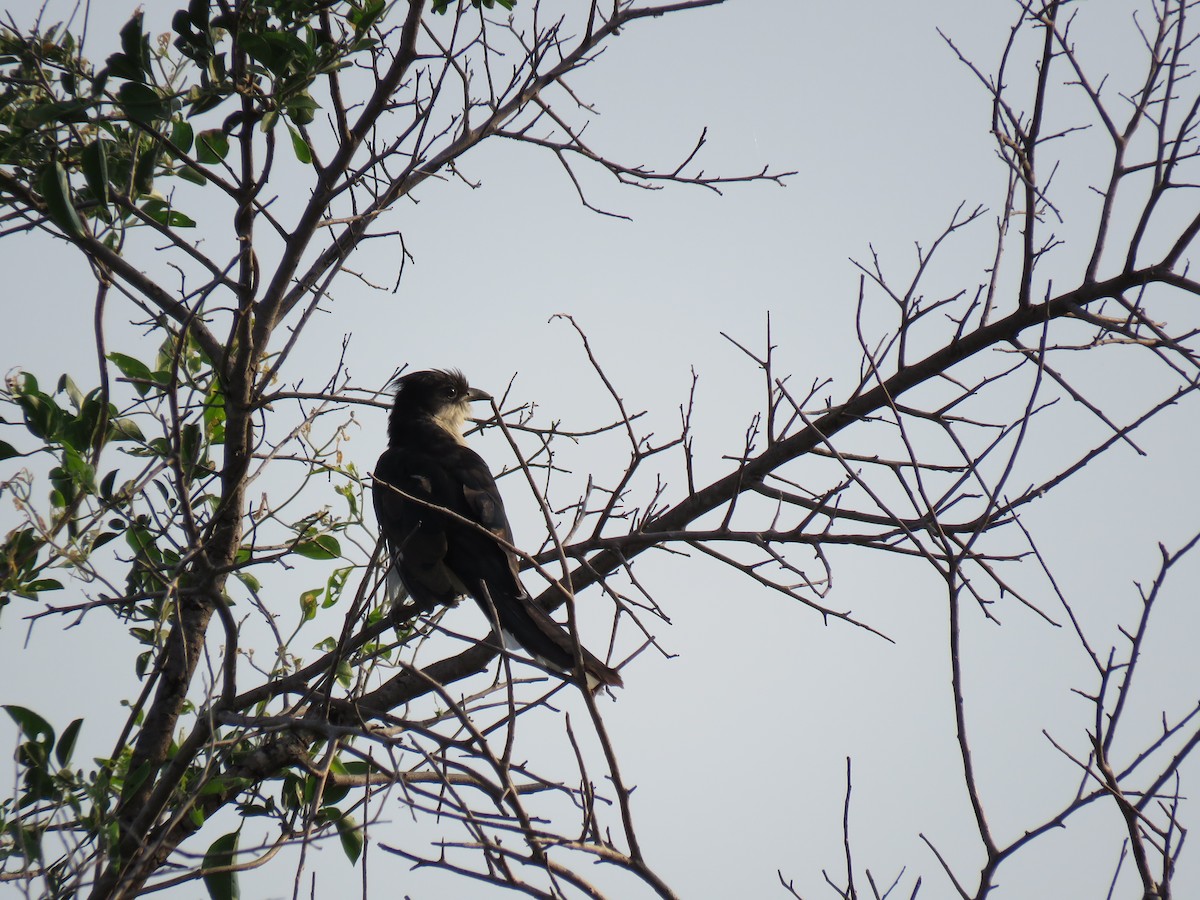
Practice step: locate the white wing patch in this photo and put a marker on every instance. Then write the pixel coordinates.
(511, 643)
(394, 588)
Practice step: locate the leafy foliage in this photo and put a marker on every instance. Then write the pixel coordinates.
(159, 482)
(96, 153)
(90, 146)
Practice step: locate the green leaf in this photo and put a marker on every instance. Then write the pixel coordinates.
(80, 471)
(84, 432)
(42, 584)
(56, 191)
(249, 581)
(308, 604)
(103, 538)
(221, 885)
(214, 413)
(64, 112)
(302, 108)
(198, 13)
(224, 784)
(141, 542)
(7, 450)
(125, 430)
(212, 146)
(351, 836)
(19, 550)
(323, 546)
(42, 415)
(366, 16)
(335, 793)
(135, 45)
(300, 147)
(95, 170)
(133, 369)
(28, 839)
(191, 448)
(187, 173)
(164, 215)
(347, 491)
(67, 385)
(181, 136)
(33, 726)
(335, 585)
(141, 103)
(202, 99)
(292, 792)
(143, 172)
(286, 51)
(66, 744)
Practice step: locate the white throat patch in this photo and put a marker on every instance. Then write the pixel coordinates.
(453, 419)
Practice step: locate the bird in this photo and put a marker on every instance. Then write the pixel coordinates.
(443, 522)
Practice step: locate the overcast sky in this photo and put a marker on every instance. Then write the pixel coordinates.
(738, 743)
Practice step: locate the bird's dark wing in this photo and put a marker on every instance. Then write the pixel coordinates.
(439, 557)
(416, 539)
(491, 573)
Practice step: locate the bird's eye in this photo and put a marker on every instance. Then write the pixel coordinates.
(451, 393)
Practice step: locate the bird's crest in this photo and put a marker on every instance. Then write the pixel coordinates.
(402, 378)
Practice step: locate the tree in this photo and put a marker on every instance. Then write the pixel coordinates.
(152, 517)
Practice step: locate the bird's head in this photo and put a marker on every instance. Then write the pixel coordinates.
(443, 396)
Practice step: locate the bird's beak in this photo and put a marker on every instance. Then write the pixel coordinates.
(474, 394)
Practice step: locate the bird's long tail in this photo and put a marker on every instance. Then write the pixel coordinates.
(526, 625)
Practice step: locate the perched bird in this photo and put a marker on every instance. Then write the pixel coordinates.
(440, 557)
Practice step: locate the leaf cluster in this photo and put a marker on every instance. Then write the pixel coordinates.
(89, 147)
(159, 494)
